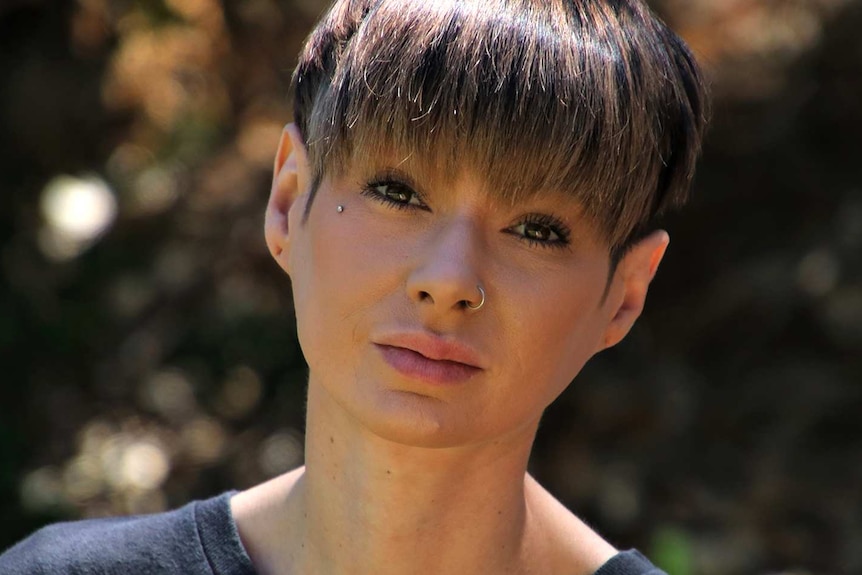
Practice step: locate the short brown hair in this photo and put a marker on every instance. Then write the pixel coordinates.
(595, 97)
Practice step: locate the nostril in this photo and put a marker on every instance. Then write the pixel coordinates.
(425, 296)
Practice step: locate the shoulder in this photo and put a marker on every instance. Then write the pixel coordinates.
(131, 544)
(172, 542)
(564, 541)
(573, 547)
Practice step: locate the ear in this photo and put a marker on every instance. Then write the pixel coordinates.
(630, 283)
(289, 181)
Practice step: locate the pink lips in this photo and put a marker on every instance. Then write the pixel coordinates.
(429, 358)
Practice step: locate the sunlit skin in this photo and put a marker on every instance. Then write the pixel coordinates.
(415, 465)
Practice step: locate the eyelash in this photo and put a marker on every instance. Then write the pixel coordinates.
(553, 224)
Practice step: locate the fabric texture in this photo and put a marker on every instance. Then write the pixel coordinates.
(629, 562)
(198, 539)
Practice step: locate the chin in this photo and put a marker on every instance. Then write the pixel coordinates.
(415, 420)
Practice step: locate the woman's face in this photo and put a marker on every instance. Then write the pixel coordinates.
(380, 290)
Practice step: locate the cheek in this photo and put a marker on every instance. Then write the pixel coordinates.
(557, 332)
(351, 263)
(318, 279)
(340, 271)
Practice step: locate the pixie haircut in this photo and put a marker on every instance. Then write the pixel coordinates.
(595, 98)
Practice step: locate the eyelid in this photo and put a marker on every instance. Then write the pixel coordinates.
(396, 176)
(551, 221)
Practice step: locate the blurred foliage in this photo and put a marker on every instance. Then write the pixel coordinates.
(672, 550)
(147, 341)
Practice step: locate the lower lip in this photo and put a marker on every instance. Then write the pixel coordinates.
(417, 366)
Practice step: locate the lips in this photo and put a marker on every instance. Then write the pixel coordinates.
(429, 358)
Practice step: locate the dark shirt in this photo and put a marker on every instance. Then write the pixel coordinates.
(198, 539)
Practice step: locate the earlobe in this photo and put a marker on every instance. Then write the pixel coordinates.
(289, 181)
(633, 276)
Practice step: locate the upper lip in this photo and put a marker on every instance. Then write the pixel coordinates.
(433, 347)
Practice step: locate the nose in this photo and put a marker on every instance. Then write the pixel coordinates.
(446, 275)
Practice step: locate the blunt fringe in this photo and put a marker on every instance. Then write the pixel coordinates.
(597, 98)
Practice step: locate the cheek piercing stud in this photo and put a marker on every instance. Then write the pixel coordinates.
(339, 209)
(481, 301)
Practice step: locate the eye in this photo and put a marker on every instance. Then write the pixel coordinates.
(395, 194)
(543, 230)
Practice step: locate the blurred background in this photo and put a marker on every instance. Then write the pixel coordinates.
(147, 346)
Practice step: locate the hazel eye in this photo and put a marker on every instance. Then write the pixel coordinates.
(542, 230)
(395, 194)
(398, 193)
(538, 232)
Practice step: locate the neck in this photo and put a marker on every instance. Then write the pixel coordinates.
(373, 506)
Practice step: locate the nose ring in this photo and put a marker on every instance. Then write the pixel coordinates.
(481, 301)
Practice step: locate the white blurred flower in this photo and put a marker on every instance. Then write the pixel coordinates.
(77, 212)
(144, 465)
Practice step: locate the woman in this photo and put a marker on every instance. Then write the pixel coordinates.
(466, 208)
